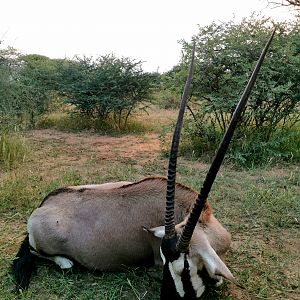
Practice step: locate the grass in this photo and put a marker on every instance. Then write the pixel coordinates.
(150, 121)
(260, 207)
(13, 149)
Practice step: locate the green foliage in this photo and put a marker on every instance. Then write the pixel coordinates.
(26, 88)
(35, 86)
(168, 92)
(226, 55)
(101, 88)
(8, 66)
(105, 86)
(247, 149)
(166, 99)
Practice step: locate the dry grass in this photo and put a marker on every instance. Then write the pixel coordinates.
(261, 208)
(151, 120)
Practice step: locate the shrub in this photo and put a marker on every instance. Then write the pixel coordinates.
(105, 86)
(247, 149)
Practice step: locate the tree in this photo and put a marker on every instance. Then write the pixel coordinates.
(36, 84)
(105, 86)
(226, 53)
(27, 84)
(9, 64)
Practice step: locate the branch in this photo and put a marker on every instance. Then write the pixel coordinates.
(295, 3)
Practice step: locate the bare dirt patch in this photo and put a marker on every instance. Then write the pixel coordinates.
(105, 147)
(79, 149)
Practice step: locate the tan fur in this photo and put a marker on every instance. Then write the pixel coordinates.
(101, 226)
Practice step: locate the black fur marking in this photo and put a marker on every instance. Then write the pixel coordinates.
(207, 280)
(186, 281)
(23, 265)
(168, 288)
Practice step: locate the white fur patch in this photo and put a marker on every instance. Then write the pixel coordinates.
(159, 232)
(162, 256)
(63, 262)
(197, 281)
(176, 268)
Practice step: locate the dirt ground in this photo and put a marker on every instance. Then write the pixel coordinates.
(97, 147)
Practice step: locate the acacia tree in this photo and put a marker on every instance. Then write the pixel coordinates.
(105, 86)
(35, 85)
(26, 87)
(226, 54)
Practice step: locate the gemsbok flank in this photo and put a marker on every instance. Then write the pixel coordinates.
(107, 226)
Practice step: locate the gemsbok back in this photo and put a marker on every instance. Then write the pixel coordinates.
(107, 226)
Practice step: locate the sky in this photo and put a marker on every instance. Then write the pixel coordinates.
(140, 29)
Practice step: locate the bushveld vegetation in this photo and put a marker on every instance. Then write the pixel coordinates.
(73, 101)
(100, 88)
(226, 52)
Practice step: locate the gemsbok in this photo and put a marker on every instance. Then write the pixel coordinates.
(107, 226)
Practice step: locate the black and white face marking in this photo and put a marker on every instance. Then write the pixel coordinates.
(187, 276)
(180, 273)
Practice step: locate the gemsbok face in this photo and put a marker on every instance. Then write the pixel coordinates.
(106, 226)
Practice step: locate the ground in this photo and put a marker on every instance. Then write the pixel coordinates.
(259, 207)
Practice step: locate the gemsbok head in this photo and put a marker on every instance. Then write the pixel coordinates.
(116, 224)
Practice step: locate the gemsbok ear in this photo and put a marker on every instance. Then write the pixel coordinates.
(214, 265)
(156, 231)
(212, 262)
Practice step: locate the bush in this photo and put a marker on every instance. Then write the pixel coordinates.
(248, 149)
(26, 88)
(105, 87)
(166, 99)
(226, 54)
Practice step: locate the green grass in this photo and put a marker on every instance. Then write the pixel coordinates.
(260, 207)
(13, 149)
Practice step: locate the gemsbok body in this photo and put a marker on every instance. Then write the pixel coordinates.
(152, 221)
(101, 226)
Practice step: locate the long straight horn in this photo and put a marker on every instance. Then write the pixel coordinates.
(187, 233)
(169, 213)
